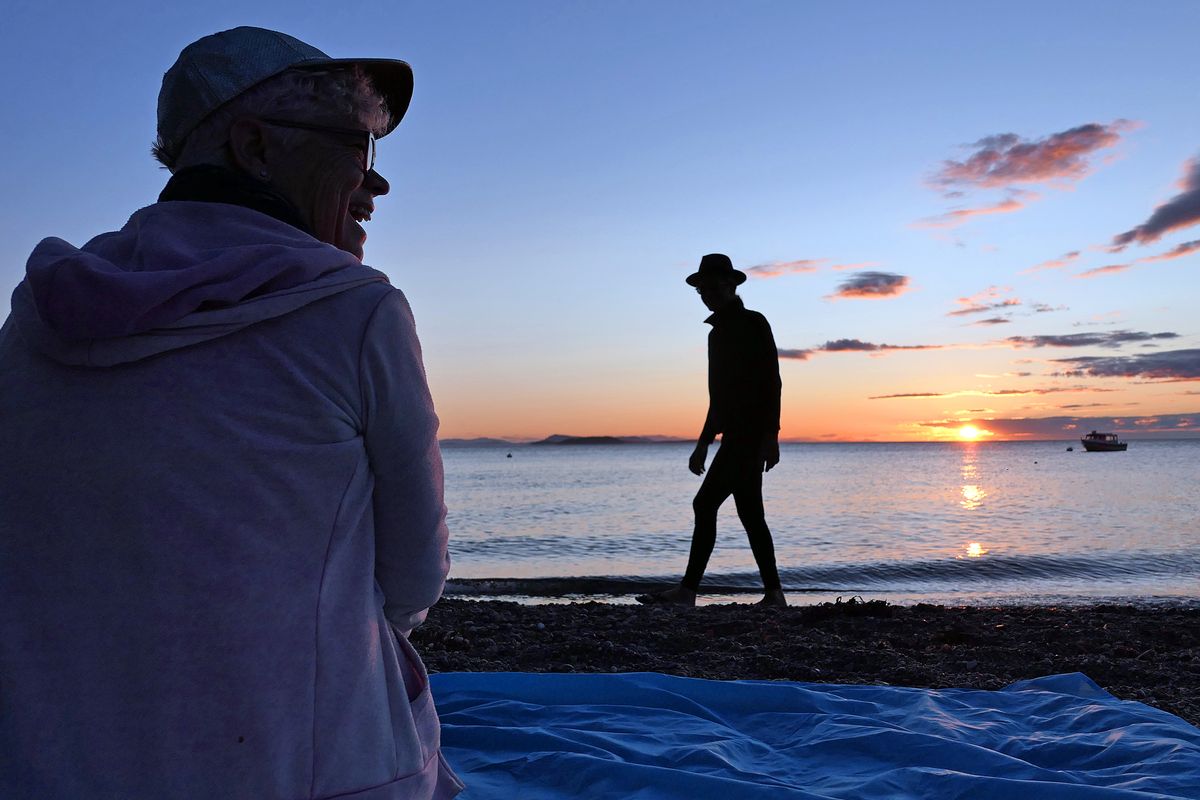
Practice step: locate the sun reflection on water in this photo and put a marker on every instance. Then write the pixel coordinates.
(976, 550)
(972, 496)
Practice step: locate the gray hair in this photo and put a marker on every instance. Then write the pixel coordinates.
(293, 93)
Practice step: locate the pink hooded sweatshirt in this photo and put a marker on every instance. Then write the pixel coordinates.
(220, 517)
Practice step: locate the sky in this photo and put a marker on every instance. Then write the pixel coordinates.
(962, 220)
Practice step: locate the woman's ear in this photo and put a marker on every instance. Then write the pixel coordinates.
(248, 147)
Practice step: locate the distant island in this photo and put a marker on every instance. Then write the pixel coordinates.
(559, 438)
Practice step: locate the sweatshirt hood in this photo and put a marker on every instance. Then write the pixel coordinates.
(178, 273)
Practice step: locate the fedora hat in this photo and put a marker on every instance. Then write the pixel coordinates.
(716, 267)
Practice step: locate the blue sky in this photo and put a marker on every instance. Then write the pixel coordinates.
(565, 164)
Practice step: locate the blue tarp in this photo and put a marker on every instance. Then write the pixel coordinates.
(645, 736)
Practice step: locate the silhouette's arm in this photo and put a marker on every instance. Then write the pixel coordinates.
(772, 385)
(707, 434)
(772, 389)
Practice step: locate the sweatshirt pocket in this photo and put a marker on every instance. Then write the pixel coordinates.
(415, 723)
(434, 781)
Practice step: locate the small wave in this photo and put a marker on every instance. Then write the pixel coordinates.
(949, 574)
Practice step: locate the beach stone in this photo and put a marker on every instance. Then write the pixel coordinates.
(1124, 648)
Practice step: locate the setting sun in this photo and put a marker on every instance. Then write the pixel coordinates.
(969, 433)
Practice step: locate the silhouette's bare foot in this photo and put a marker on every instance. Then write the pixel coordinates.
(675, 596)
(773, 598)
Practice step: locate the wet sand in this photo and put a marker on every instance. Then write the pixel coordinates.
(1151, 655)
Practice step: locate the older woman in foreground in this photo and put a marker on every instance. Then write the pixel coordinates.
(221, 492)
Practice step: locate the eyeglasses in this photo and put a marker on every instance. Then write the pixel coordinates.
(365, 138)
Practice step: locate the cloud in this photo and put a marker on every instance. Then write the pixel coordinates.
(1068, 427)
(1179, 251)
(872, 285)
(1110, 339)
(992, 321)
(1107, 318)
(1105, 339)
(1006, 161)
(1181, 211)
(991, 393)
(952, 219)
(1045, 308)
(859, 346)
(1097, 271)
(1055, 263)
(1169, 365)
(975, 304)
(777, 268)
(852, 346)
(1006, 158)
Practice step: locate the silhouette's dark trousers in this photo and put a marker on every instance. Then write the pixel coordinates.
(736, 469)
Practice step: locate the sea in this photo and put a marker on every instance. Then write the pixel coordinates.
(974, 523)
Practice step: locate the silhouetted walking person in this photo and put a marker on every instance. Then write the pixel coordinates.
(743, 406)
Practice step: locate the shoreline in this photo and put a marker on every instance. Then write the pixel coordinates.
(1147, 654)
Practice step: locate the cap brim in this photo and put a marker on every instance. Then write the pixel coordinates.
(392, 78)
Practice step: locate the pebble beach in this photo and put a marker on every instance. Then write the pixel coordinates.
(1150, 654)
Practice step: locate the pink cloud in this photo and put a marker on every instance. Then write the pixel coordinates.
(1054, 263)
(872, 285)
(952, 219)
(1109, 270)
(988, 300)
(992, 393)
(776, 268)
(1179, 251)
(1005, 159)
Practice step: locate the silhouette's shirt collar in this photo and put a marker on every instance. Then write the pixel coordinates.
(736, 306)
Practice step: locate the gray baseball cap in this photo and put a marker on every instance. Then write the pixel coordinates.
(212, 71)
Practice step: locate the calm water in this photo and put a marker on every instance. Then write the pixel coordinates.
(972, 523)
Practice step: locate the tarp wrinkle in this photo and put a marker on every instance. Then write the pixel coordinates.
(653, 737)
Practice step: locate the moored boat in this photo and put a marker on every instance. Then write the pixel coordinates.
(1096, 442)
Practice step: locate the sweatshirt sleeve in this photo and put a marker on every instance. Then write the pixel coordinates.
(400, 432)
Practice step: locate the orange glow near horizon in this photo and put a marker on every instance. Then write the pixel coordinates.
(969, 433)
(672, 401)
